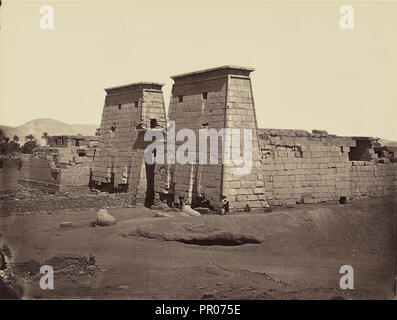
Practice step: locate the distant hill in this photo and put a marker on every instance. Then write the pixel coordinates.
(51, 126)
(389, 143)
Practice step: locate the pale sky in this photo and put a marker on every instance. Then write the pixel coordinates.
(309, 73)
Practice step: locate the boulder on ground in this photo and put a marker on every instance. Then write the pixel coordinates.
(104, 218)
(65, 224)
(189, 211)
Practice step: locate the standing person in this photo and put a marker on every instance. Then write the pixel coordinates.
(225, 204)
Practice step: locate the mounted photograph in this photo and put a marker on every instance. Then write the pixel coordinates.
(188, 151)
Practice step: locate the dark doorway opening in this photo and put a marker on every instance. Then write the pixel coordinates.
(361, 152)
(112, 179)
(149, 198)
(153, 123)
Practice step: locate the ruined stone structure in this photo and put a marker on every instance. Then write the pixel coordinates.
(215, 99)
(289, 166)
(128, 112)
(9, 173)
(303, 167)
(72, 141)
(64, 168)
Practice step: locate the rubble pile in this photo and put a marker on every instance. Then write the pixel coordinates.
(31, 201)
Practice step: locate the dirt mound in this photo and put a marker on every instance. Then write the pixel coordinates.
(197, 235)
(31, 201)
(219, 239)
(334, 227)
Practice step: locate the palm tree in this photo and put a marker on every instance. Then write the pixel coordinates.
(29, 137)
(45, 136)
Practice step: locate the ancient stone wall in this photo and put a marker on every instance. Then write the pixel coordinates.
(128, 111)
(63, 141)
(300, 167)
(247, 188)
(57, 169)
(41, 173)
(189, 109)
(75, 177)
(9, 173)
(114, 152)
(288, 166)
(216, 99)
(373, 179)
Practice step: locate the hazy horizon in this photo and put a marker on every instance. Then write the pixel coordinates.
(309, 74)
(98, 125)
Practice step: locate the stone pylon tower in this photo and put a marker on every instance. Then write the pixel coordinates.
(216, 98)
(119, 160)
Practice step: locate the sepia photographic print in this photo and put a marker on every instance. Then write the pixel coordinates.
(211, 151)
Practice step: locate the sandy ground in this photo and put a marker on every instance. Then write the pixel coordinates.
(299, 254)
